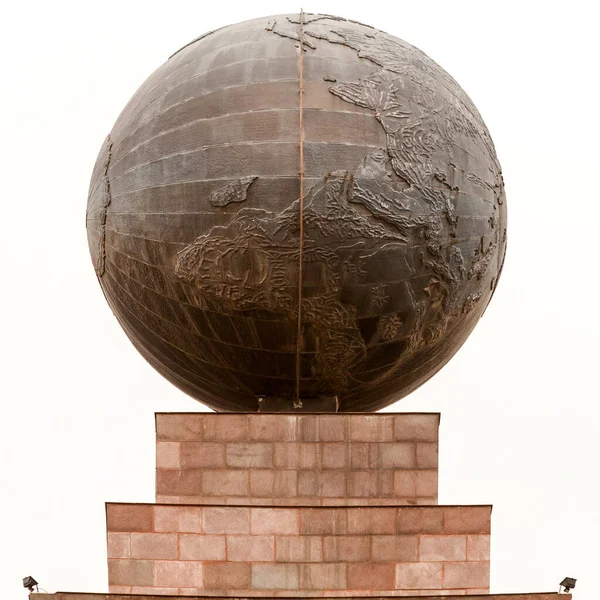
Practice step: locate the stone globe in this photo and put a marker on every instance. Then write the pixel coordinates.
(298, 212)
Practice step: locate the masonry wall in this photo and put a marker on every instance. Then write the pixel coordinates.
(307, 459)
(299, 551)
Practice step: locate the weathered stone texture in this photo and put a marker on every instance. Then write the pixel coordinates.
(300, 550)
(307, 459)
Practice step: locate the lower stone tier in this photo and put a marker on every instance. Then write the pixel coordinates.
(299, 551)
(86, 596)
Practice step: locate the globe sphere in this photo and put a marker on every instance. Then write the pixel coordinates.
(298, 211)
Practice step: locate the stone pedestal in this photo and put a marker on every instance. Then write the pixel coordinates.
(305, 460)
(306, 505)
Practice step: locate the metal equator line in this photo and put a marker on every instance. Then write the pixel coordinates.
(298, 400)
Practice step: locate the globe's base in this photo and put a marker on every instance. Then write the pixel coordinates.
(316, 404)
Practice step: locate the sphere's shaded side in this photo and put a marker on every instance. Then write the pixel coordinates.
(229, 110)
(193, 215)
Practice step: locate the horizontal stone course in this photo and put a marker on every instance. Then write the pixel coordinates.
(279, 427)
(121, 593)
(308, 459)
(299, 549)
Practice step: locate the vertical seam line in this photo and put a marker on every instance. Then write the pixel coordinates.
(298, 401)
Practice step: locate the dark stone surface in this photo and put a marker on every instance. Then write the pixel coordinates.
(194, 216)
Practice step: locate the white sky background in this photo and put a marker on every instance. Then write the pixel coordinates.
(520, 413)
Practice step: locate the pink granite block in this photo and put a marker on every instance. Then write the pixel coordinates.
(323, 521)
(225, 482)
(416, 484)
(363, 484)
(285, 485)
(432, 501)
(466, 575)
(427, 484)
(395, 548)
(352, 502)
(438, 593)
(308, 428)
(119, 589)
(322, 484)
(371, 428)
(154, 591)
(439, 548)
(202, 547)
(393, 455)
(129, 517)
(185, 519)
(262, 482)
(322, 576)
(418, 427)
(467, 519)
(258, 501)
(388, 501)
(274, 577)
(419, 576)
(332, 484)
(202, 455)
(178, 574)
(360, 455)
(178, 483)
(118, 545)
(308, 483)
(178, 426)
(226, 427)
(130, 572)
(352, 548)
(420, 520)
(162, 499)
(226, 520)
(292, 455)
(371, 520)
(253, 548)
(385, 484)
(427, 455)
(249, 455)
(478, 547)
(298, 548)
(280, 521)
(154, 545)
(167, 455)
(334, 456)
(405, 483)
(274, 428)
(267, 483)
(226, 576)
(333, 428)
(365, 576)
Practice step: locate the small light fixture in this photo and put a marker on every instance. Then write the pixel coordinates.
(29, 582)
(567, 584)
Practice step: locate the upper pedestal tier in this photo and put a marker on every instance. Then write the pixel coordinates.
(308, 459)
